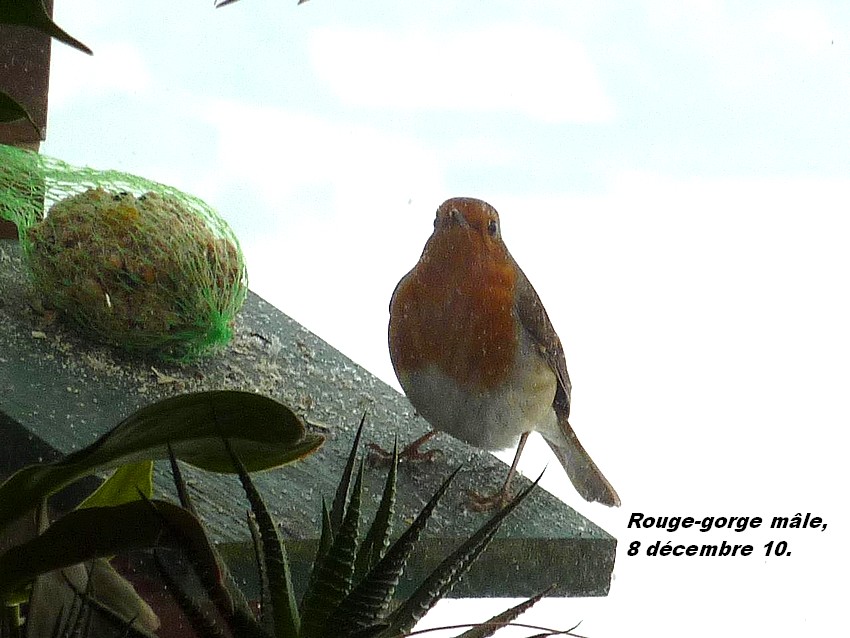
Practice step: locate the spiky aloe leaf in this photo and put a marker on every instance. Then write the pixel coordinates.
(218, 583)
(331, 580)
(377, 539)
(332, 521)
(367, 604)
(488, 628)
(266, 619)
(341, 497)
(326, 540)
(287, 621)
(450, 571)
(180, 483)
(198, 617)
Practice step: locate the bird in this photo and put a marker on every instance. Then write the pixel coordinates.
(476, 353)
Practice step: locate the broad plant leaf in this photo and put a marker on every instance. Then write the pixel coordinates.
(33, 14)
(99, 532)
(263, 433)
(127, 483)
(93, 591)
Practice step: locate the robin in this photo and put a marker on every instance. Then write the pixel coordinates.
(476, 353)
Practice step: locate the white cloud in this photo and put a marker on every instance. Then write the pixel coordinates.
(533, 70)
(292, 151)
(740, 34)
(116, 68)
(805, 27)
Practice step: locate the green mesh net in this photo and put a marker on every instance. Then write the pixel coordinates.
(134, 263)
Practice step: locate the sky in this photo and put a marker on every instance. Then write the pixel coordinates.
(673, 177)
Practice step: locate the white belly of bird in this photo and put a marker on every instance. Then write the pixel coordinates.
(492, 418)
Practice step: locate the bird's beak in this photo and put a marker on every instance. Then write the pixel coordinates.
(457, 217)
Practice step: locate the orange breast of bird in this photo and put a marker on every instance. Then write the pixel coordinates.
(455, 311)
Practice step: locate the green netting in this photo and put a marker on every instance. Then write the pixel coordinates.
(134, 263)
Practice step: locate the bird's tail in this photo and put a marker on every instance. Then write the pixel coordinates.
(586, 477)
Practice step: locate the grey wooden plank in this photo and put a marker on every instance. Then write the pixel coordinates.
(59, 393)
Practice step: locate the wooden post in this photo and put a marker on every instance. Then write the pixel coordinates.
(25, 76)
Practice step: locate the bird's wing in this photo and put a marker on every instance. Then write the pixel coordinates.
(532, 315)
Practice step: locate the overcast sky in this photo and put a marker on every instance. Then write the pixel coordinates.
(672, 176)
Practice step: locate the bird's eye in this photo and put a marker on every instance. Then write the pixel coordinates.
(493, 228)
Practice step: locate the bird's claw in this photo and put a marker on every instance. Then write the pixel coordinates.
(380, 456)
(479, 502)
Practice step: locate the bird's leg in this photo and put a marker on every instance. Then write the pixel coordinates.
(377, 454)
(482, 503)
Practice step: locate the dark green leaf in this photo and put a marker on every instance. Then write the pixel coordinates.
(488, 628)
(331, 579)
(213, 574)
(326, 540)
(11, 111)
(338, 508)
(265, 604)
(451, 570)
(223, 3)
(287, 621)
(96, 532)
(180, 484)
(33, 14)
(367, 604)
(199, 617)
(378, 538)
(263, 432)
